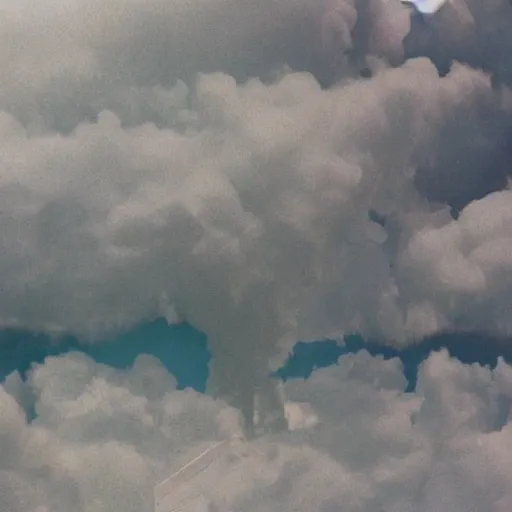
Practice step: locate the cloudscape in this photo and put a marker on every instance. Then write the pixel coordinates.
(267, 171)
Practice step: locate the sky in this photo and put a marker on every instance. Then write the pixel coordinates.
(265, 172)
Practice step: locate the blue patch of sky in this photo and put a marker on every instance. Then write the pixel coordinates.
(184, 351)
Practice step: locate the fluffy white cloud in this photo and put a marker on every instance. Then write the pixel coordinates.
(103, 438)
(462, 268)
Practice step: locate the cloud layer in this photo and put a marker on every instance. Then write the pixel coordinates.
(103, 438)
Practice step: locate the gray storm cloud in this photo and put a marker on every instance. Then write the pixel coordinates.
(221, 160)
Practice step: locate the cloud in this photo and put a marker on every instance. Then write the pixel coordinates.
(64, 62)
(467, 262)
(217, 162)
(253, 209)
(103, 438)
